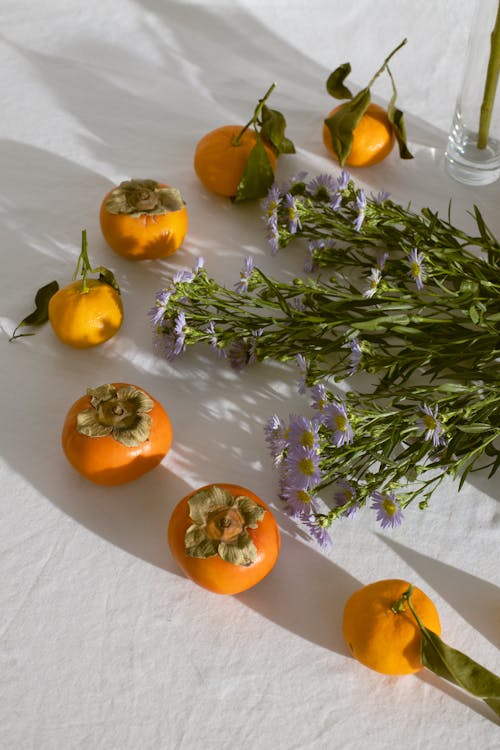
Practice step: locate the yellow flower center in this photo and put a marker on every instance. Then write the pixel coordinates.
(303, 496)
(415, 269)
(429, 422)
(340, 422)
(389, 506)
(307, 439)
(306, 465)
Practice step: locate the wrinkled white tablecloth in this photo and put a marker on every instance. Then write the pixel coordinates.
(103, 642)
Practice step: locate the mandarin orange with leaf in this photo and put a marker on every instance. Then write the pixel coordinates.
(88, 311)
(221, 157)
(373, 138)
(380, 630)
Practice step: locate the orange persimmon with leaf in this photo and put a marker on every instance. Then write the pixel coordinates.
(224, 537)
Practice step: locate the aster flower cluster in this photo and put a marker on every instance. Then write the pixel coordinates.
(408, 298)
(356, 450)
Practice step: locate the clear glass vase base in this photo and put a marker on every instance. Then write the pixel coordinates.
(470, 165)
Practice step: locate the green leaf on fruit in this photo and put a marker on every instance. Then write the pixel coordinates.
(396, 118)
(335, 83)
(273, 126)
(258, 175)
(455, 666)
(343, 122)
(40, 314)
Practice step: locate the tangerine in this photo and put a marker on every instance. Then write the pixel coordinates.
(143, 219)
(221, 156)
(382, 639)
(85, 314)
(373, 137)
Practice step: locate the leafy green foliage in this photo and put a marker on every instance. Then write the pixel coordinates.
(258, 175)
(40, 315)
(342, 123)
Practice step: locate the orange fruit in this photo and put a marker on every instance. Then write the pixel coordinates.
(386, 641)
(101, 445)
(85, 318)
(219, 162)
(373, 138)
(137, 225)
(212, 571)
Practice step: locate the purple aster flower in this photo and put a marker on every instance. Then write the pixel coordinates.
(182, 277)
(303, 433)
(322, 187)
(246, 272)
(343, 180)
(302, 468)
(361, 206)
(302, 365)
(388, 509)
(417, 269)
(319, 397)
(158, 312)
(430, 423)
(355, 356)
(273, 237)
(345, 494)
(200, 263)
(373, 282)
(287, 186)
(293, 216)
(275, 434)
(336, 419)
(238, 355)
(381, 196)
(381, 259)
(310, 266)
(213, 341)
(180, 333)
(319, 533)
(336, 202)
(271, 202)
(299, 503)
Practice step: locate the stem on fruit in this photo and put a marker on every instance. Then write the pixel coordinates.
(400, 604)
(257, 111)
(83, 266)
(386, 61)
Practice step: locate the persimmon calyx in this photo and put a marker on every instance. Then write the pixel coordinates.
(137, 197)
(120, 412)
(220, 523)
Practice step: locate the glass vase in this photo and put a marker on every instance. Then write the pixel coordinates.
(473, 152)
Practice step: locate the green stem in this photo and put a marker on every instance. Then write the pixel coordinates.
(400, 605)
(490, 85)
(384, 64)
(83, 266)
(255, 117)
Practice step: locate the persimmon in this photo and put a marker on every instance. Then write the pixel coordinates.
(373, 138)
(88, 311)
(380, 630)
(144, 219)
(224, 537)
(116, 433)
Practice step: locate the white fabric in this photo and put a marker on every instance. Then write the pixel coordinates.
(104, 643)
